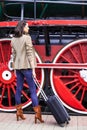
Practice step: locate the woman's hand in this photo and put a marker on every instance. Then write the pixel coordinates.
(33, 73)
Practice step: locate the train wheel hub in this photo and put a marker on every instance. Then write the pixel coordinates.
(83, 77)
(6, 76)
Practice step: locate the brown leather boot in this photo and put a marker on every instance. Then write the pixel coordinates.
(19, 112)
(38, 115)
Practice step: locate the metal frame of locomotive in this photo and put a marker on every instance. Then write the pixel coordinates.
(61, 52)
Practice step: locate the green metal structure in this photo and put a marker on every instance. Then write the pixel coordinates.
(45, 9)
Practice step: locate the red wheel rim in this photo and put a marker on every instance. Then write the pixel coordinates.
(8, 80)
(68, 84)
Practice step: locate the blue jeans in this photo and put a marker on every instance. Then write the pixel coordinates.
(21, 74)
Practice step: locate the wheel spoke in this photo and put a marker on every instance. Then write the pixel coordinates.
(9, 96)
(3, 92)
(26, 86)
(73, 71)
(0, 84)
(13, 89)
(25, 95)
(2, 54)
(77, 61)
(74, 86)
(71, 82)
(69, 77)
(79, 88)
(83, 93)
(66, 59)
(83, 59)
(14, 83)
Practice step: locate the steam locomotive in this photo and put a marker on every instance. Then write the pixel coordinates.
(59, 35)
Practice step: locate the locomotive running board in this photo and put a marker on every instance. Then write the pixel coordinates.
(62, 65)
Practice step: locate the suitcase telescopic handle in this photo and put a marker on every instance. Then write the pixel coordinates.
(41, 90)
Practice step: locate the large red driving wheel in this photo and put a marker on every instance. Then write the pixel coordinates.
(70, 85)
(8, 80)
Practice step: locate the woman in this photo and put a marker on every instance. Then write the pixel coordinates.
(24, 63)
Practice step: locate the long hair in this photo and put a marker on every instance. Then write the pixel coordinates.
(19, 30)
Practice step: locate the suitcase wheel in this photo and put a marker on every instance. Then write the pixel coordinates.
(62, 124)
(67, 122)
(69, 118)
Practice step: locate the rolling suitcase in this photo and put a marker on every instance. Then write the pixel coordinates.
(56, 107)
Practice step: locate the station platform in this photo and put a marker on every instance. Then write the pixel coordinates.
(8, 122)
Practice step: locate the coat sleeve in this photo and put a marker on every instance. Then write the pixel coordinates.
(13, 52)
(30, 52)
